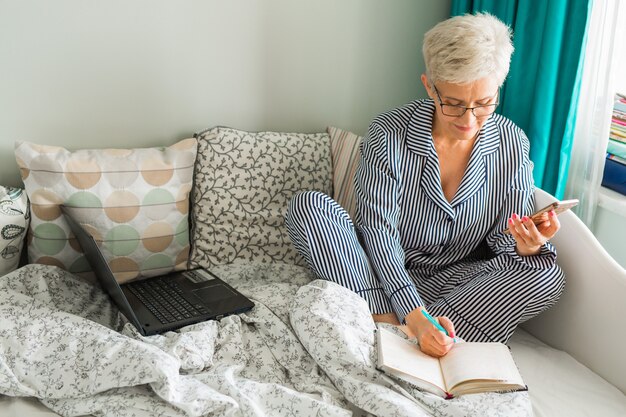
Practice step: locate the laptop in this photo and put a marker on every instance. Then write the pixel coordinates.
(168, 302)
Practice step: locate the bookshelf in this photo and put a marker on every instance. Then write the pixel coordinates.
(614, 176)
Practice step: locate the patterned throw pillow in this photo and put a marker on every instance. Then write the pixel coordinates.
(14, 217)
(135, 202)
(242, 184)
(344, 149)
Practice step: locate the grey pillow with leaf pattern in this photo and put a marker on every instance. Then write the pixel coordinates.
(242, 183)
(14, 218)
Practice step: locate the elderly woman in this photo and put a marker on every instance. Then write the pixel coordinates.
(439, 182)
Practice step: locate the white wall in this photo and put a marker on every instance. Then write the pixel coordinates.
(118, 73)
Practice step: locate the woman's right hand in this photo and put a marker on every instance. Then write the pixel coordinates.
(432, 341)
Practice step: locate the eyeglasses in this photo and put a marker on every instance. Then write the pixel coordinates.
(458, 111)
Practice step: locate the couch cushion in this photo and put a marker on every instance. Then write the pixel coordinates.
(14, 219)
(134, 202)
(561, 386)
(242, 184)
(344, 149)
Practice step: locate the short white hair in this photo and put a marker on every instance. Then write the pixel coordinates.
(467, 48)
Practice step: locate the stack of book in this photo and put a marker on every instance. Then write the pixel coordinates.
(615, 166)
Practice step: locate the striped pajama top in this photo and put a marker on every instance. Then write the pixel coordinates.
(403, 218)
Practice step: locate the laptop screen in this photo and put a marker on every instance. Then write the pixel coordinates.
(101, 268)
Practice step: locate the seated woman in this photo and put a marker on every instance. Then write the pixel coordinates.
(439, 182)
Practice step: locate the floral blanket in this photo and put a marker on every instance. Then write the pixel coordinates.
(306, 349)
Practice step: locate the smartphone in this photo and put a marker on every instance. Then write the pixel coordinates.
(542, 215)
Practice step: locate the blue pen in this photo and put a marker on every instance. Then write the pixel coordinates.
(436, 323)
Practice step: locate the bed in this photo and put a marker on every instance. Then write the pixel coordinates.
(307, 348)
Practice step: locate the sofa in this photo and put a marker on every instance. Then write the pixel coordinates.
(223, 195)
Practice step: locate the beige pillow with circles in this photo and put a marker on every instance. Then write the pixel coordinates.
(135, 202)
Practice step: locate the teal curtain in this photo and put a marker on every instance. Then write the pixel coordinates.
(541, 92)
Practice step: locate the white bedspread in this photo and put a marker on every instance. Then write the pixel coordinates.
(307, 348)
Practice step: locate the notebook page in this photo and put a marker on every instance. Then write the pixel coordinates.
(479, 361)
(399, 354)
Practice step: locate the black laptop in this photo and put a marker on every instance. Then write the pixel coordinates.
(167, 302)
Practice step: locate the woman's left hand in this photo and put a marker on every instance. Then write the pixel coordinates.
(530, 237)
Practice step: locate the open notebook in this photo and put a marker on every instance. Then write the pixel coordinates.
(468, 368)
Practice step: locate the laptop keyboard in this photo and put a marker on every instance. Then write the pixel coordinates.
(164, 298)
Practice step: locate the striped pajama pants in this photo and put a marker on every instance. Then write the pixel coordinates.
(485, 299)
